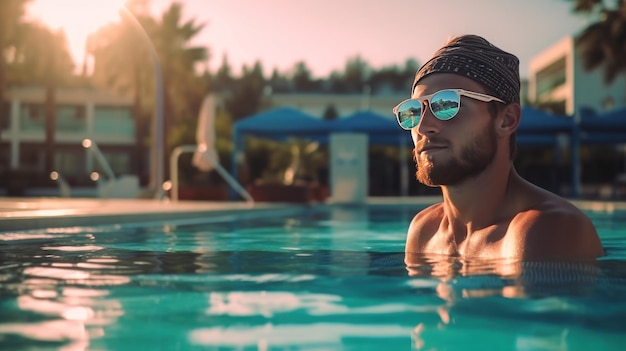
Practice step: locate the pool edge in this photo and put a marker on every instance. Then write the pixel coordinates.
(40, 213)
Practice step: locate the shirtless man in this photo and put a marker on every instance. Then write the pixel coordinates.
(463, 116)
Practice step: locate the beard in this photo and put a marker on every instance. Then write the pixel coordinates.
(475, 158)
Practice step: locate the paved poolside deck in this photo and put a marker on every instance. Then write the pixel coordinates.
(36, 213)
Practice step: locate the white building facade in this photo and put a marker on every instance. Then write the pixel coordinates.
(80, 113)
(558, 80)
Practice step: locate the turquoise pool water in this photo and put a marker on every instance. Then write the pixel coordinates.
(317, 279)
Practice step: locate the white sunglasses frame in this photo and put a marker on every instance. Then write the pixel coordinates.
(460, 92)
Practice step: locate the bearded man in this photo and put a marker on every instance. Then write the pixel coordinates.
(463, 114)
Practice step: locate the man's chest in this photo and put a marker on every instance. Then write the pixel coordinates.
(489, 242)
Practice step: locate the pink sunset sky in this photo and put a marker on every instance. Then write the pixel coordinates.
(326, 33)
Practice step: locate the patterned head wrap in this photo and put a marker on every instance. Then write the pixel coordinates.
(477, 59)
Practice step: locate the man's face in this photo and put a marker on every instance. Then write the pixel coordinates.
(450, 152)
(474, 158)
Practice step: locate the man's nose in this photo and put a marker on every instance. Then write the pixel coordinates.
(429, 124)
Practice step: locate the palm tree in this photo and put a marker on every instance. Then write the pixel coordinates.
(122, 63)
(184, 89)
(57, 69)
(11, 14)
(42, 57)
(602, 43)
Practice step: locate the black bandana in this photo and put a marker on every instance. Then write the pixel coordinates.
(477, 59)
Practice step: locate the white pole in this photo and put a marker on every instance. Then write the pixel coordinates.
(157, 152)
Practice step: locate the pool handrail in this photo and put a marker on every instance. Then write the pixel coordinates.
(91, 145)
(64, 186)
(179, 150)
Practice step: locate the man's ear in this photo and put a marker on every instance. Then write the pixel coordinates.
(509, 119)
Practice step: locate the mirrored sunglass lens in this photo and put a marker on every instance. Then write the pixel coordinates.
(445, 104)
(409, 114)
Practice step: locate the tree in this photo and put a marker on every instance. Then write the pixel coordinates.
(410, 68)
(58, 62)
(247, 96)
(337, 83)
(302, 80)
(602, 42)
(11, 15)
(122, 63)
(184, 89)
(35, 49)
(279, 83)
(41, 57)
(352, 79)
(356, 74)
(385, 78)
(223, 77)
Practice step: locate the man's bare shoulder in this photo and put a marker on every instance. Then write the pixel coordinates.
(423, 226)
(555, 229)
(427, 215)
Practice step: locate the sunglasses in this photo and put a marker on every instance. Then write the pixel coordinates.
(444, 104)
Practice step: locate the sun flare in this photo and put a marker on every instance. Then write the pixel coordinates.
(77, 18)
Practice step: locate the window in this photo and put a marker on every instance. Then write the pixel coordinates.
(119, 161)
(5, 123)
(551, 77)
(71, 119)
(69, 162)
(32, 157)
(112, 120)
(32, 118)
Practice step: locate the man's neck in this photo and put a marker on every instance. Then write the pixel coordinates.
(478, 202)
